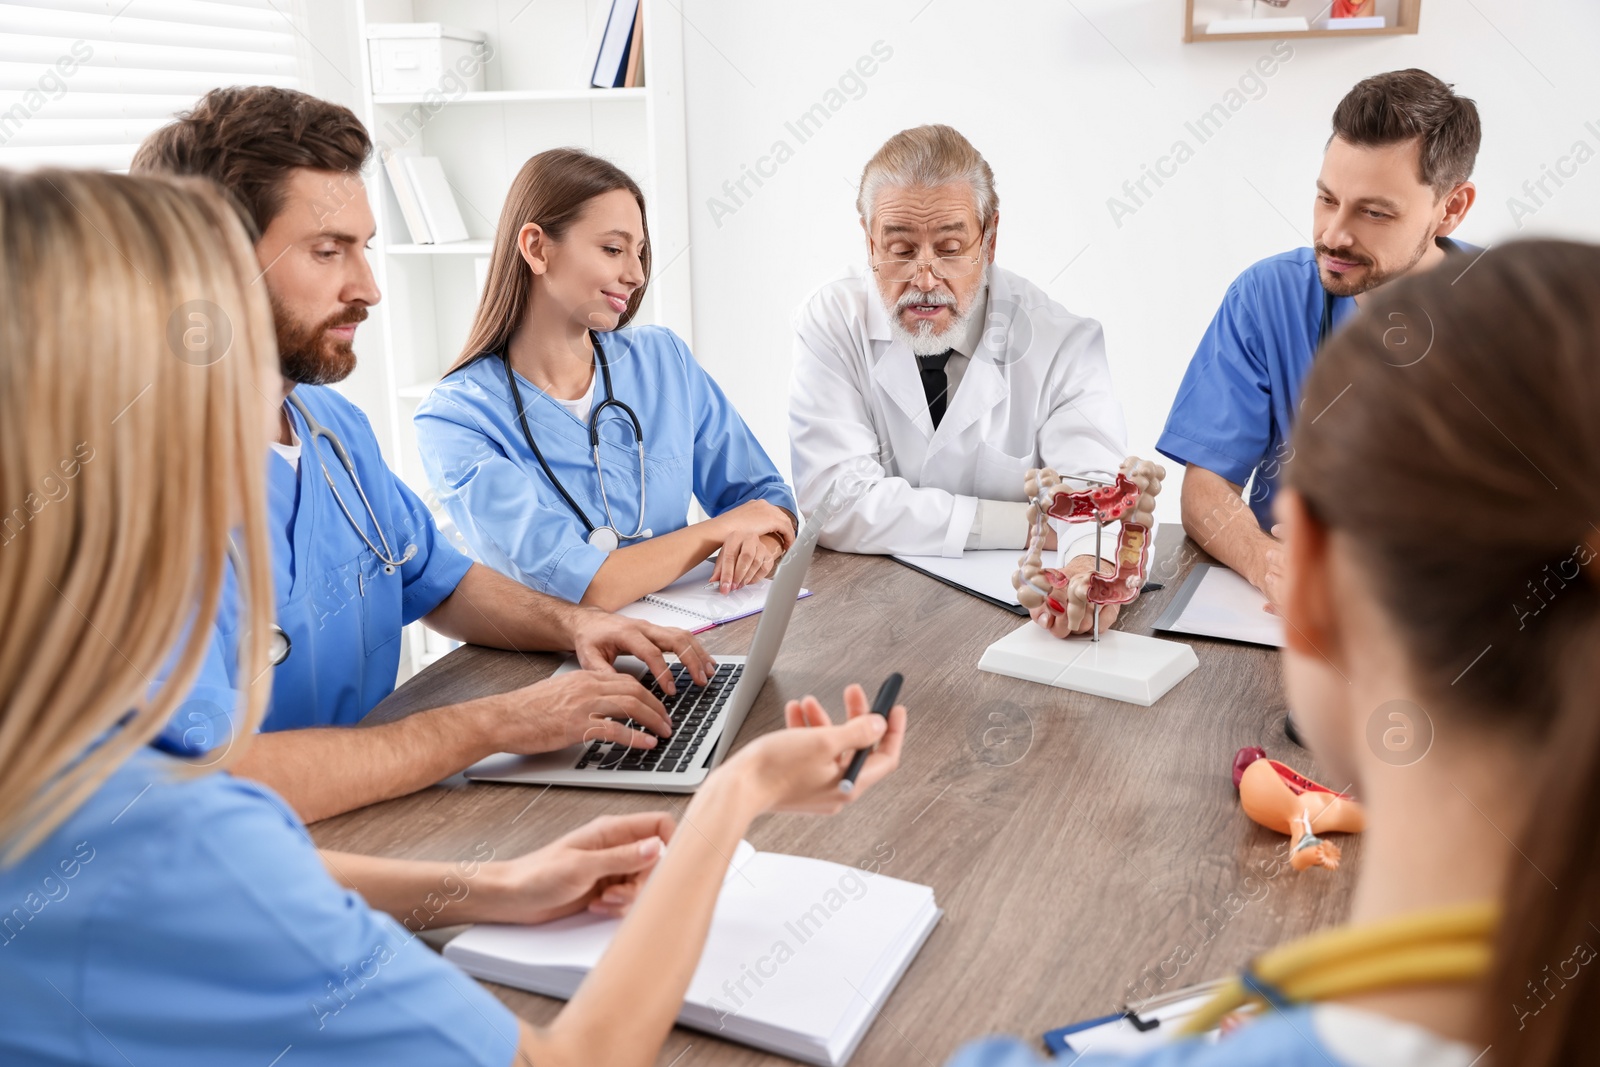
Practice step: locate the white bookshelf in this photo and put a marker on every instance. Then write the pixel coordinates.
(453, 248)
(536, 97)
(526, 96)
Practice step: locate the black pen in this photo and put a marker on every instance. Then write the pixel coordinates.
(881, 705)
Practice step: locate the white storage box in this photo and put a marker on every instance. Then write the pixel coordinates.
(414, 57)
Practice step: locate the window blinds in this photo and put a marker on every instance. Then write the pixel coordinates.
(83, 81)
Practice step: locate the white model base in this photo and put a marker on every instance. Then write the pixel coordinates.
(1127, 667)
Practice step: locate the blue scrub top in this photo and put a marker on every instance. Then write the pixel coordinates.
(182, 920)
(1283, 1039)
(1236, 406)
(512, 516)
(342, 613)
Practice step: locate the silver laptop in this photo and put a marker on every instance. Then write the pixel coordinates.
(705, 719)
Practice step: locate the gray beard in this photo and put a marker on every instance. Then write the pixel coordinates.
(923, 341)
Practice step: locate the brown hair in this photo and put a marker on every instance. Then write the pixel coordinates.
(147, 397)
(1413, 105)
(552, 189)
(248, 139)
(1468, 481)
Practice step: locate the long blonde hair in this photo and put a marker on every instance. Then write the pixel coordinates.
(133, 427)
(552, 189)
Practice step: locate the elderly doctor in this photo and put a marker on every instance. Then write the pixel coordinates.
(928, 389)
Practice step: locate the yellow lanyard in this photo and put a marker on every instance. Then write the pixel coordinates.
(1451, 944)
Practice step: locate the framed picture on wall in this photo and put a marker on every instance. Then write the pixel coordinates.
(1236, 20)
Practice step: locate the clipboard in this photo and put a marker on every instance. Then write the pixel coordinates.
(1007, 605)
(1138, 1026)
(1215, 602)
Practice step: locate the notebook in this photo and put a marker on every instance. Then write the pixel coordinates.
(800, 958)
(692, 604)
(1216, 602)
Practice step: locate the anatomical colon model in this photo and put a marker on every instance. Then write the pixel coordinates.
(1054, 601)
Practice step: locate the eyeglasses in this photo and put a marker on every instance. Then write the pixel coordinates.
(941, 267)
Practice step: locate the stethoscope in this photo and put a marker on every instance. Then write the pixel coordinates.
(606, 538)
(278, 644)
(386, 554)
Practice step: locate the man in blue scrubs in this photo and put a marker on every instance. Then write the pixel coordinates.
(1394, 185)
(358, 556)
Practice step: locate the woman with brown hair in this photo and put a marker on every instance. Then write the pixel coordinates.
(159, 911)
(1441, 517)
(568, 445)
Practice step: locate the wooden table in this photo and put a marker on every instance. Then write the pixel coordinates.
(1084, 850)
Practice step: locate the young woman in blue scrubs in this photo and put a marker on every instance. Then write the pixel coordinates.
(551, 369)
(156, 911)
(1448, 667)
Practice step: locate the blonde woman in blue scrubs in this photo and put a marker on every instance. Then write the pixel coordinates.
(163, 912)
(552, 371)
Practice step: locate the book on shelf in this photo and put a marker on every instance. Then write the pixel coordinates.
(622, 27)
(410, 210)
(635, 75)
(432, 190)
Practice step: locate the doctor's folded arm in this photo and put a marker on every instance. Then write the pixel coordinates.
(926, 388)
(567, 444)
(356, 554)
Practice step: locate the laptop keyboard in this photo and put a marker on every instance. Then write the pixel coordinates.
(693, 710)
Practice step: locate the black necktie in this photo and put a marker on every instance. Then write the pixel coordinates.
(935, 382)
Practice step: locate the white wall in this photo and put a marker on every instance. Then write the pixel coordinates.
(1068, 101)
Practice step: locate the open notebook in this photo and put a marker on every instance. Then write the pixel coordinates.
(801, 956)
(690, 604)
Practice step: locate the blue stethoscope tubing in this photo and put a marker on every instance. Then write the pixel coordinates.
(607, 537)
(386, 554)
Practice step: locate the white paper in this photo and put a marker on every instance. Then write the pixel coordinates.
(988, 572)
(1121, 1037)
(1226, 605)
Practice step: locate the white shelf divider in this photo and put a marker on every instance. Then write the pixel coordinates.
(518, 96)
(450, 248)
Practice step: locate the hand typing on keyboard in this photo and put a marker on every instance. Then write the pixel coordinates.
(581, 706)
(600, 639)
(695, 712)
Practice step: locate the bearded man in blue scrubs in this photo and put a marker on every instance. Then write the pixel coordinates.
(357, 557)
(1394, 185)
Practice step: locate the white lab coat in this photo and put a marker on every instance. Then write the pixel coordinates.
(1036, 393)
